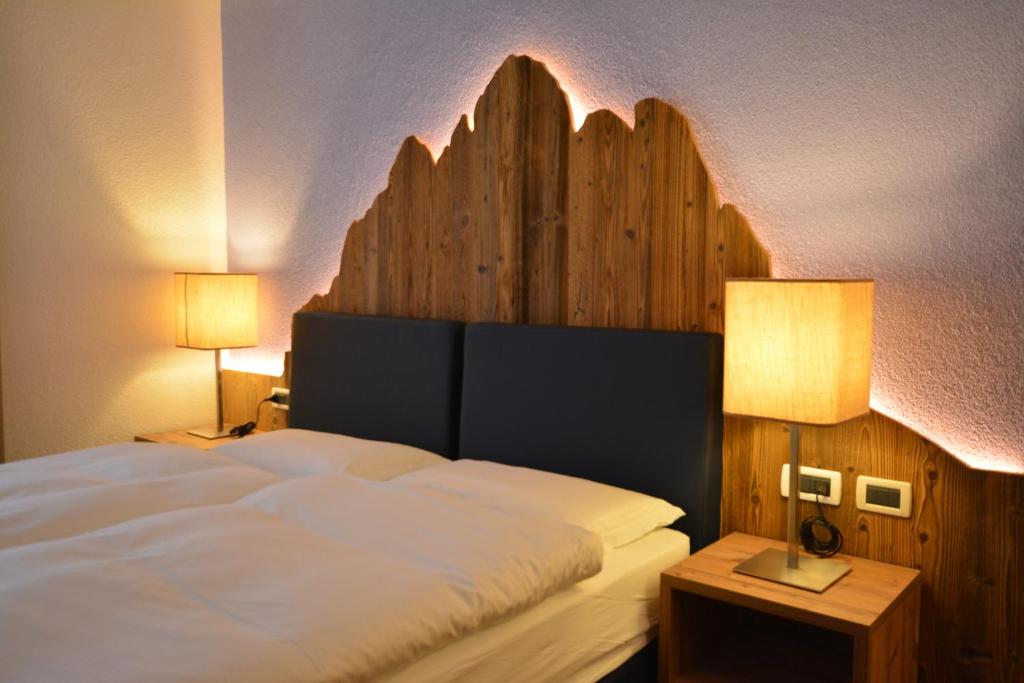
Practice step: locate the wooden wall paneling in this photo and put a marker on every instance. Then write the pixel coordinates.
(524, 220)
(500, 122)
(409, 200)
(683, 215)
(966, 532)
(609, 243)
(448, 225)
(546, 179)
(465, 193)
(743, 254)
(244, 390)
(646, 249)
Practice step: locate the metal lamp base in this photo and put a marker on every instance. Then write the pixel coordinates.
(210, 433)
(814, 573)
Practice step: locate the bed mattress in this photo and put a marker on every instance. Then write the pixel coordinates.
(579, 634)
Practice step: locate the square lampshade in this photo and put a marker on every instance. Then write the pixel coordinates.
(798, 350)
(216, 310)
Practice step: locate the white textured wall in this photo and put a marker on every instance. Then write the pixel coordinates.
(111, 177)
(875, 139)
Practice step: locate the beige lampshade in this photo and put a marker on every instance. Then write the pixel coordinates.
(798, 350)
(216, 310)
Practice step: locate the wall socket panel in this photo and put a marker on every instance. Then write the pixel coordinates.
(884, 496)
(285, 395)
(812, 477)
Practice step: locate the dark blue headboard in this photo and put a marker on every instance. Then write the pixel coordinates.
(389, 379)
(637, 409)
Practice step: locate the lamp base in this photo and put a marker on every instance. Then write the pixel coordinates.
(210, 433)
(814, 573)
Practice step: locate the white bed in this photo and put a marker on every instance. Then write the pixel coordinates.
(456, 570)
(575, 636)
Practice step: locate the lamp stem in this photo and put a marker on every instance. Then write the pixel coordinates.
(220, 391)
(793, 546)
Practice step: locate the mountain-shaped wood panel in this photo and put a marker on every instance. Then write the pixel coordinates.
(524, 220)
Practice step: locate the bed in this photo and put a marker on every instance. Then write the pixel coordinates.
(637, 410)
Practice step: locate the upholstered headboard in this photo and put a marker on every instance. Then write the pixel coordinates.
(637, 409)
(390, 379)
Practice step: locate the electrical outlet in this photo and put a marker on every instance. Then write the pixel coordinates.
(283, 398)
(827, 483)
(885, 496)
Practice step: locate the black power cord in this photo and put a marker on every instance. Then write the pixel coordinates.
(819, 536)
(249, 427)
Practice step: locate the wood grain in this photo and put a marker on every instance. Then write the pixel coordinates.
(856, 603)
(524, 220)
(966, 532)
(875, 604)
(243, 392)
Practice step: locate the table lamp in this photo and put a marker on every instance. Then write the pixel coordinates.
(797, 351)
(215, 311)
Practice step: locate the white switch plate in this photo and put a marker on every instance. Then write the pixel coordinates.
(835, 485)
(280, 391)
(902, 486)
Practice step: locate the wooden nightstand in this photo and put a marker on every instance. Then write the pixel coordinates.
(183, 438)
(717, 625)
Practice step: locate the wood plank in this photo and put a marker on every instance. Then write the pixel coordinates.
(607, 277)
(462, 181)
(546, 174)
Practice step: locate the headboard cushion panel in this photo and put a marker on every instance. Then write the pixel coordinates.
(637, 409)
(390, 379)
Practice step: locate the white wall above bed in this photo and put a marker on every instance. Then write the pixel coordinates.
(873, 139)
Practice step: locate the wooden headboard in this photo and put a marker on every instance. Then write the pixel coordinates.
(524, 220)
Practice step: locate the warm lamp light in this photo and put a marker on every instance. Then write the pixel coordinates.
(215, 311)
(798, 351)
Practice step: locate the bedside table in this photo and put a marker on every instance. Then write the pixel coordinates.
(717, 625)
(183, 438)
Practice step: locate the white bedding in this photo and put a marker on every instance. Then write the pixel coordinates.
(72, 493)
(60, 514)
(116, 463)
(326, 578)
(578, 635)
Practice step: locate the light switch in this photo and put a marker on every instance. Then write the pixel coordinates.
(884, 496)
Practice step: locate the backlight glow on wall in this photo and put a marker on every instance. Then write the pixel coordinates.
(834, 137)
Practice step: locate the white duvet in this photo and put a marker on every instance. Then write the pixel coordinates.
(62, 495)
(323, 578)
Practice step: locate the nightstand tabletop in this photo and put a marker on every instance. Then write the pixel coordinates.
(857, 601)
(183, 438)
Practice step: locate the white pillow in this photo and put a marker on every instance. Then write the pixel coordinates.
(302, 453)
(618, 516)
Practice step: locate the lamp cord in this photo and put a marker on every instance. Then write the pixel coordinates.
(817, 524)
